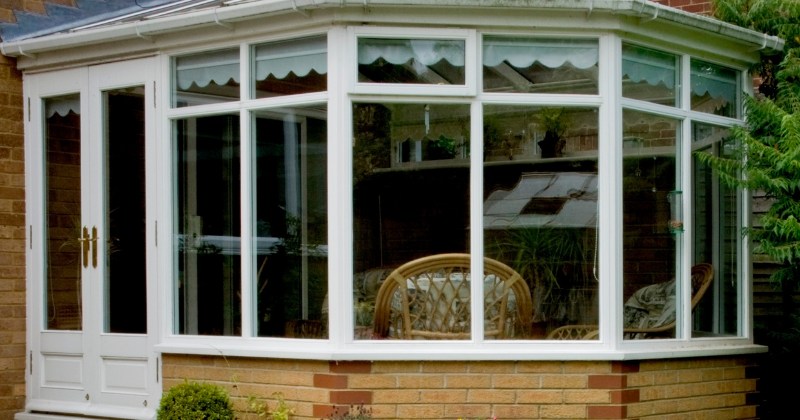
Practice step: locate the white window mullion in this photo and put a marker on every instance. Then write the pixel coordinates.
(685, 238)
(684, 272)
(340, 192)
(609, 238)
(476, 220)
(743, 254)
(248, 189)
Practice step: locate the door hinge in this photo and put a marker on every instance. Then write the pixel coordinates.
(31, 362)
(156, 370)
(30, 236)
(29, 109)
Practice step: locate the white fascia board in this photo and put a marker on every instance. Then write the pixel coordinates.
(253, 10)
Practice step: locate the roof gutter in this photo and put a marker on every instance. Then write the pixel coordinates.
(240, 11)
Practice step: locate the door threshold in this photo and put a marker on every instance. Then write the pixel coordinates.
(27, 415)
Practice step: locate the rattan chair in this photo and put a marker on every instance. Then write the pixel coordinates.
(702, 275)
(429, 298)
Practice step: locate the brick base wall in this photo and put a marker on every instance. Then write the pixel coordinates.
(699, 388)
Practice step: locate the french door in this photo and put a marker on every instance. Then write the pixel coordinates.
(92, 260)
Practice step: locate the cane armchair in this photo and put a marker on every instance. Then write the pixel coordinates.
(702, 275)
(429, 298)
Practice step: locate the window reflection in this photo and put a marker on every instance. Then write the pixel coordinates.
(540, 212)
(650, 237)
(533, 65)
(64, 305)
(208, 225)
(291, 67)
(423, 61)
(650, 75)
(714, 89)
(716, 237)
(291, 229)
(206, 78)
(410, 201)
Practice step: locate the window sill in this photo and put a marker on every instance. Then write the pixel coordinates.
(307, 351)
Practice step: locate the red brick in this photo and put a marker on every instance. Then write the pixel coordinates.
(625, 396)
(322, 380)
(608, 381)
(607, 411)
(624, 367)
(328, 411)
(351, 367)
(351, 397)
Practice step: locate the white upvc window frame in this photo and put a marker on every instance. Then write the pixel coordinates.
(343, 91)
(687, 117)
(405, 89)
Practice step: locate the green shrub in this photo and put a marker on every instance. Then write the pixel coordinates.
(194, 401)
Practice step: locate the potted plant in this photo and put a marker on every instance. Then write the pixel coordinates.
(555, 123)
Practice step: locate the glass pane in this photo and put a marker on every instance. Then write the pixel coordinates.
(532, 65)
(410, 201)
(208, 225)
(425, 61)
(206, 78)
(716, 239)
(291, 222)
(651, 233)
(291, 67)
(650, 75)
(540, 218)
(62, 129)
(714, 89)
(126, 271)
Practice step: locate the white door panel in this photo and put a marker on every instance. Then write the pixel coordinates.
(93, 325)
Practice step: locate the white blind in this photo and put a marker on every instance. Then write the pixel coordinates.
(552, 53)
(297, 56)
(400, 51)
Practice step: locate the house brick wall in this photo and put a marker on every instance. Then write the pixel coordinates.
(695, 388)
(702, 7)
(12, 241)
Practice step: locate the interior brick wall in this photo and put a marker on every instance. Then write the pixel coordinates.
(695, 388)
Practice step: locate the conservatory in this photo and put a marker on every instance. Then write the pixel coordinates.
(321, 181)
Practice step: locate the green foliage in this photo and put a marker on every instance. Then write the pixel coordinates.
(282, 410)
(772, 17)
(352, 413)
(191, 400)
(768, 158)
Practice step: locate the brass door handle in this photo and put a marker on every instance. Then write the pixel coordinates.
(85, 246)
(94, 246)
(86, 242)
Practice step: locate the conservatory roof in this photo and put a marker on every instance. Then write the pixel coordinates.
(181, 15)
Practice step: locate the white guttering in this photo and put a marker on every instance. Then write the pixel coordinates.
(255, 9)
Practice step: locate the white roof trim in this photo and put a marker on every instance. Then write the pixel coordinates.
(256, 9)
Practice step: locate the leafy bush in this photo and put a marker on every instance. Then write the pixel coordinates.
(352, 413)
(191, 400)
(282, 410)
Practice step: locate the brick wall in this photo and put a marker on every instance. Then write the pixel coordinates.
(12, 222)
(12, 242)
(702, 7)
(698, 388)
